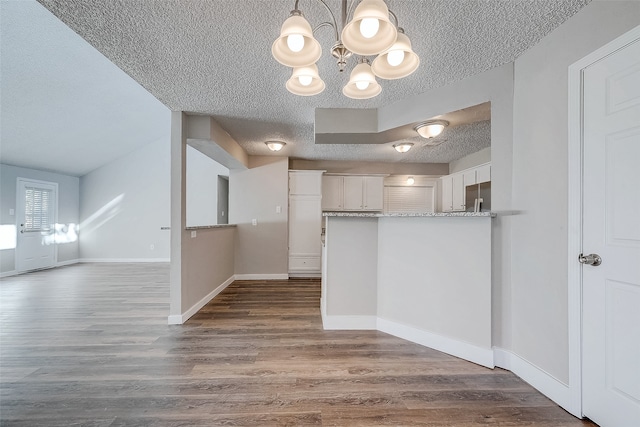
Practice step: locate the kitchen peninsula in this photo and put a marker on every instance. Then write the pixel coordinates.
(422, 277)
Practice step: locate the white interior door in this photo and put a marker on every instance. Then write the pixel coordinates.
(36, 208)
(611, 229)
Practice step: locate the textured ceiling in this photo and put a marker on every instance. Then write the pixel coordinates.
(214, 57)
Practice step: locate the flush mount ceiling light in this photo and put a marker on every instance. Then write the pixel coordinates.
(275, 145)
(411, 181)
(403, 147)
(431, 128)
(370, 32)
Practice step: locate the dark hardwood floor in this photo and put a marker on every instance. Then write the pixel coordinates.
(89, 345)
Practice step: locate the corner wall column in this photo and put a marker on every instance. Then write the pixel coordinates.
(178, 211)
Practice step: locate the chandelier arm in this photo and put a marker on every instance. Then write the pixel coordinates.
(346, 15)
(333, 17)
(395, 18)
(326, 24)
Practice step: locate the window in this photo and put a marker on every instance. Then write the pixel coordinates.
(38, 206)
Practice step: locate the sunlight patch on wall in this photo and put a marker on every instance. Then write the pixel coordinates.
(102, 215)
(62, 233)
(8, 233)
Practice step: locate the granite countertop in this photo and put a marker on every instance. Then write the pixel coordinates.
(391, 215)
(204, 227)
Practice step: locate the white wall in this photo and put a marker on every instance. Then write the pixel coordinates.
(539, 230)
(473, 159)
(202, 261)
(202, 188)
(254, 193)
(68, 208)
(123, 206)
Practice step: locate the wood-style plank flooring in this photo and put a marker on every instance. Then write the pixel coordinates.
(89, 345)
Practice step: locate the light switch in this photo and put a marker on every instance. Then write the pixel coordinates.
(194, 233)
(12, 212)
(222, 213)
(278, 209)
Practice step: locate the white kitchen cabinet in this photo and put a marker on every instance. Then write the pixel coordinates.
(352, 193)
(453, 192)
(305, 222)
(469, 177)
(373, 193)
(447, 193)
(483, 173)
(454, 186)
(332, 192)
(458, 192)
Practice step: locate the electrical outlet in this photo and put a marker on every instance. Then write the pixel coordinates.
(278, 209)
(152, 246)
(254, 222)
(12, 212)
(194, 233)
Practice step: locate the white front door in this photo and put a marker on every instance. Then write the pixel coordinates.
(36, 209)
(611, 229)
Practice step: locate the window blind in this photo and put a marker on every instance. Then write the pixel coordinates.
(409, 199)
(38, 207)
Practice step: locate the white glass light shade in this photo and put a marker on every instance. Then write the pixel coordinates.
(362, 77)
(403, 147)
(411, 181)
(381, 65)
(431, 129)
(300, 76)
(310, 51)
(357, 43)
(275, 145)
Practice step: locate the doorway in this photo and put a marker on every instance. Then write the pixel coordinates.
(36, 215)
(604, 282)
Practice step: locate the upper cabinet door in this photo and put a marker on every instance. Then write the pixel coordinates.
(373, 193)
(458, 192)
(332, 193)
(483, 173)
(447, 193)
(470, 177)
(353, 193)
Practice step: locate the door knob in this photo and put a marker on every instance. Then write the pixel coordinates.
(591, 259)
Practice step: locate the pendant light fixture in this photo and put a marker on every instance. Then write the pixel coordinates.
(369, 33)
(305, 81)
(362, 82)
(398, 61)
(296, 46)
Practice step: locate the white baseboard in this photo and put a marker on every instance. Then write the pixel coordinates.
(179, 319)
(262, 276)
(124, 260)
(464, 350)
(9, 273)
(544, 382)
(337, 322)
(69, 262)
(58, 264)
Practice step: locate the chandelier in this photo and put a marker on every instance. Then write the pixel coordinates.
(369, 33)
